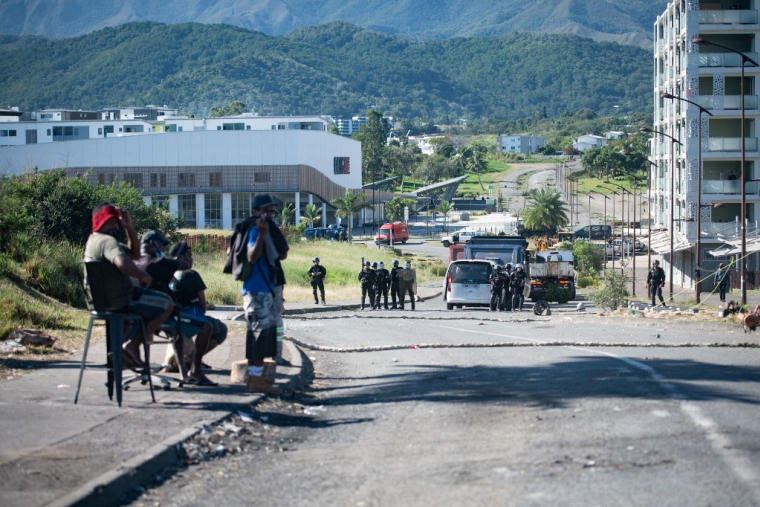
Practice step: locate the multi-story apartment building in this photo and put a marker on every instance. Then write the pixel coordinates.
(519, 144)
(711, 77)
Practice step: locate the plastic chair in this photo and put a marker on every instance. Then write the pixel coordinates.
(115, 321)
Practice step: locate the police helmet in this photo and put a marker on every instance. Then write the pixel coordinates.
(519, 265)
(381, 265)
(315, 259)
(374, 264)
(395, 262)
(366, 263)
(656, 262)
(509, 266)
(498, 268)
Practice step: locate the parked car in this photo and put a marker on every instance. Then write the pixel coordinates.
(461, 236)
(314, 233)
(597, 232)
(398, 229)
(627, 246)
(467, 283)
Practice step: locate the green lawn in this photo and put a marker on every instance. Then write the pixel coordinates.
(495, 173)
(586, 184)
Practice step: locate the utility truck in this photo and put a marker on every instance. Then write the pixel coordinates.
(551, 267)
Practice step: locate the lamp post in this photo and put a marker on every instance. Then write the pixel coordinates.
(704, 42)
(612, 245)
(606, 198)
(697, 274)
(673, 142)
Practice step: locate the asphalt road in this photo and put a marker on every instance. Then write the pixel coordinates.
(437, 407)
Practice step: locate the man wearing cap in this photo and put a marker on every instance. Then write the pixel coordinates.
(189, 291)
(721, 280)
(367, 281)
(317, 275)
(382, 280)
(656, 281)
(407, 283)
(121, 294)
(260, 298)
(394, 284)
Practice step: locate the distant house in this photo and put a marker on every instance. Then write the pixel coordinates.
(423, 143)
(614, 134)
(588, 142)
(520, 144)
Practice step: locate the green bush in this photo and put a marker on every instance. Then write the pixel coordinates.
(557, 294)
(588, 257)
(586, 281)
(612, 292)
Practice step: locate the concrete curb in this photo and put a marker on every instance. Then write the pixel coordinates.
(111, 487)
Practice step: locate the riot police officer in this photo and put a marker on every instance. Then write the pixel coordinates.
(655, 282)
(382, 280)
(497, 280)
(517, 285)
(317, 274)
(394, 284)
(367, 280)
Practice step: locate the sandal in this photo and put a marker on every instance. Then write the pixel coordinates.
(129, 360)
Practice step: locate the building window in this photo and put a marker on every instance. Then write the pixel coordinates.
(11, 133)
(215, 180)
(161, 201)
(241, 206)
(108, 129)
(248, 127)
(31, 137)
(136, 179)
(101, 178)
(341, 165)
(179, 129)
(186, 179)
(261, 177)
(111, 179)
(48, 132)
(213, 209)
(274, 127)
(233, 126)
(218, 127)
(186, 210)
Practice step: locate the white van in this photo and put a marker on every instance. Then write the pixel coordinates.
(467, 283)
(461, 236)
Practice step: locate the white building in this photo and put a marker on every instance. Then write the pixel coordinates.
(614, 134)
(207, 176)
(711, 77)
(588, 142)
(348, 127)
(520, 144)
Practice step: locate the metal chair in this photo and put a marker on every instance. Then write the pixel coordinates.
(170, 332)
(97, 274)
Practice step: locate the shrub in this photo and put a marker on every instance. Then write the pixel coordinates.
(557, 294)
(586, 281)
(612, 293)
(588, 257)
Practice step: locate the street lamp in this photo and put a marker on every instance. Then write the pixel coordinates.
(606, 198)
(704, 42)
(699, 186)
(612, 244)
(673, 142)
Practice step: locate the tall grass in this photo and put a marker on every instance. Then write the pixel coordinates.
(342, 261)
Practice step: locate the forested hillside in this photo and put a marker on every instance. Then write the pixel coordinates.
(336, 69)
(623, 21)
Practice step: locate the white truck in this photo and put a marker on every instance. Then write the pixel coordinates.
(551, 267)
(461, 236)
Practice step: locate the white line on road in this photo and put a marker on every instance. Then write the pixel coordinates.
(738, 461)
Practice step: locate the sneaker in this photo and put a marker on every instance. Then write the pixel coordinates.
(316, 302)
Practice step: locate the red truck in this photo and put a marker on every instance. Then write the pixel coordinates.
(399, 231)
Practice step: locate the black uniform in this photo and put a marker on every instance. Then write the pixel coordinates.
(367, 279)
(721, 281)
(382, 280)
(394, 286)
(655, 281)
(317, 274)
(498, 283)
(516, 285)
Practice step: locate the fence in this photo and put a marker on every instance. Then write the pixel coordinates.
(207, 243)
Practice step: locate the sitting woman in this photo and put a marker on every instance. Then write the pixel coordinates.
(189, 291)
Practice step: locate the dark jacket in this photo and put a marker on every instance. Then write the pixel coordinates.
(382, 277)
(317, 273)
(367, 278)
(656, 277)
(722, 276)
(517, 280)
(238, 254)
(394, 275)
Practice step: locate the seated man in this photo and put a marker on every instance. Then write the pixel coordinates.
(162, 271)
(190, 291)
(102, 245)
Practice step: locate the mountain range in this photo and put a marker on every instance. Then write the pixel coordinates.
(337, 69)
(624, 21)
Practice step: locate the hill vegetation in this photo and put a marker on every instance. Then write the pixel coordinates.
(622, 21)
(336, 69)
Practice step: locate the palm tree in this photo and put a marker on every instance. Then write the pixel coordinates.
(287, 212)
(311, 214)
(444, 208)
(477, 163)
(545, 209)
(348, 205)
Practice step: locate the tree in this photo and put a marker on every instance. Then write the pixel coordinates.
(445, 208)
(476, 162)
(394, 209)
(235, 108)
(373, 137)
(287, 213)
(435, 168)
(443, 147)
(311, 214)
(545, 209)
(348, 205)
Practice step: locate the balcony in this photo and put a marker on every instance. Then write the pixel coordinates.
(717, 144)
(729, 187)
(728, 17)
(723, 59)
(730, 102)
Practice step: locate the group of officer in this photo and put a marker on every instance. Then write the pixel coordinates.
(375, 281)
(507, 286)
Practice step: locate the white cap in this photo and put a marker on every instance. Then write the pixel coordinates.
(408, 264)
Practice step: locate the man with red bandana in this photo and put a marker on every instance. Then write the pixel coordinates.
(121, 295)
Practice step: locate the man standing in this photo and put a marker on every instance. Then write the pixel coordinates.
(367, 281)
(317, 274)
(407, 279)
(656, 281)
(382, 279)
(721, 280)
(121, 295)
(394, 284)
(516, 286)
(259, 299)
